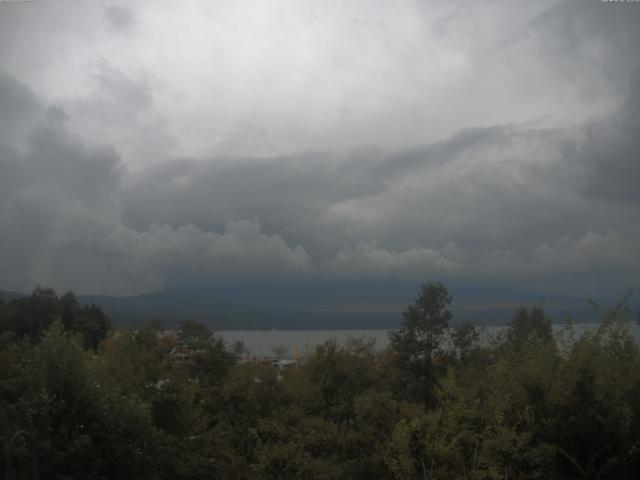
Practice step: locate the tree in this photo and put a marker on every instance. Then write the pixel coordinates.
(203, 352)
(529, 323)
(464, 338)
(69, 310)
(30, 316)
(59, 404)
(418, 341)
(337, 376)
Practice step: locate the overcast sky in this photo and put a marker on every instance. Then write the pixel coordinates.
(151, 144)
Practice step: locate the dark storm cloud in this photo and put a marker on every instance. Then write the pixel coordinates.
(496, 201)
(595, 45)
(278, 190)
(207, 192)
(611, 151)
(57, 195)
(18, 107)
(101, 191)
(592, 43)
(60, 224)
(17, 103)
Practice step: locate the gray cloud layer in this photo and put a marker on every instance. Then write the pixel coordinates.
(105, 189)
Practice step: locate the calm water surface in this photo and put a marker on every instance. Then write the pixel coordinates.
(295, 342)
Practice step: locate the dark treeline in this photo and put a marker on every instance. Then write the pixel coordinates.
(31, 316)
(437, 403)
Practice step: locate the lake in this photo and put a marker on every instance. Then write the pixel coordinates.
(295, 342)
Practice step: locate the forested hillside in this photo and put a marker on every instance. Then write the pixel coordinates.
(125, 404)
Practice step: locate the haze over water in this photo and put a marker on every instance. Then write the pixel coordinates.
(264, 342)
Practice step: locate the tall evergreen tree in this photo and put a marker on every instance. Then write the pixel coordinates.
(419, 340)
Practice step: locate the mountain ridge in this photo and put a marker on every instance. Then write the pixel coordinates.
(322, 306)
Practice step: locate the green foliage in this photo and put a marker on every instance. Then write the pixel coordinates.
(205, 355)
(29, 317)
(337, 375)
(527, 324)
(464, 340)
(419, 341)
(436, 404)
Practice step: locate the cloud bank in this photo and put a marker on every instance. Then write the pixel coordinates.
(487, 143)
